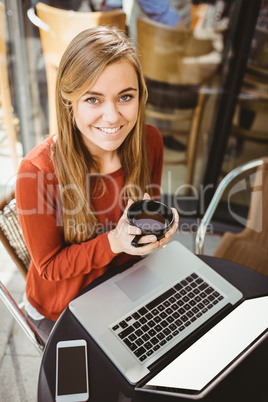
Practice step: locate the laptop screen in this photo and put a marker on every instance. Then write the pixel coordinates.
(212, 355)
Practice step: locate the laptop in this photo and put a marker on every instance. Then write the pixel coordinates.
(156, 311)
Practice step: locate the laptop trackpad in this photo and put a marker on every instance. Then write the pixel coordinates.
(138, 283)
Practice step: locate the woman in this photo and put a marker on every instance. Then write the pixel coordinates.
(74, 189)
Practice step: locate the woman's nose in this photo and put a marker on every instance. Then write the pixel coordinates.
(110, 113)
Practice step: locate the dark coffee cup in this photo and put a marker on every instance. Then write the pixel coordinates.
(152, 217)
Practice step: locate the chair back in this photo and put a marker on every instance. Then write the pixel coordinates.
(258, 212)
(174, 56)
(250, 247)
(58, 27)
(258, 106)
(11, 234)
(258, 57)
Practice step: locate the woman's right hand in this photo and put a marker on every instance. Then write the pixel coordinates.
(120, 238)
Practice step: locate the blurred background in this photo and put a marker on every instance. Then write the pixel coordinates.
(208, 86)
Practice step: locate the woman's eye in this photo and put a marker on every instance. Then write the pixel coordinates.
(92, 100)
(126, 98)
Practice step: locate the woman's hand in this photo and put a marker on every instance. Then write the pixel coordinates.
(120, 238)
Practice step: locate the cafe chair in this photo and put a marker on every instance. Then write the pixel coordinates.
(250, 246)
(253, 99)
(177, 65)
(12, 239)
(57, 28)
(10, 121)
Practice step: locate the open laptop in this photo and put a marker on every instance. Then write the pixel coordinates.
(156, 310)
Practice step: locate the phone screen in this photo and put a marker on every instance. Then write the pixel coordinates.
(72, 375)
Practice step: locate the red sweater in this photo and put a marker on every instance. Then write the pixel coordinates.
(58, 271)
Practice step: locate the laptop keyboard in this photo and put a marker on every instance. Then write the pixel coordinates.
(152, 326)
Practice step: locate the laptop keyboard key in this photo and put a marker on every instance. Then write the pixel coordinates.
(126, 332)
(160, 299)
(203, 286)
(178, 286)
(138, 333)
(154, 340)
(139, 352)
(209, 290)
(158, 328)
(139, 342)
(142, 358)
(160, 336)
(145, 337)
(130, 344)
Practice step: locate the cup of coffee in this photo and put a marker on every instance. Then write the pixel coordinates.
(152, 217)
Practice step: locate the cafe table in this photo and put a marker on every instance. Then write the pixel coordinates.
(248, 382)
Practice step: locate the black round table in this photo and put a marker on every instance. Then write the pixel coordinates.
(248, 382)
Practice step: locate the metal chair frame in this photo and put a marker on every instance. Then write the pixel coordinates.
(21, 318)
(12, 239)
(201, 232)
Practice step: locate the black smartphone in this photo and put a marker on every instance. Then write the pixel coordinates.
(72, 371)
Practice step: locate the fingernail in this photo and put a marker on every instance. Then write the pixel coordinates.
(153, 238)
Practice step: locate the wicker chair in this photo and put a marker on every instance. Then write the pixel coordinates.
(12, 239)
(11, 234)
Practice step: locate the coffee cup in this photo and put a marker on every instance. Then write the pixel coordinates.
(152, 217)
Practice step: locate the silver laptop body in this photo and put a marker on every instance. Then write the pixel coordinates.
(107, 310)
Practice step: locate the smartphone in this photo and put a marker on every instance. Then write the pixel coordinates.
(72, 371)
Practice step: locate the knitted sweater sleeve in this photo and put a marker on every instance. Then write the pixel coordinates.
(38, 206)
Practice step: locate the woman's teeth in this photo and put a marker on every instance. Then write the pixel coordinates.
(109, 130)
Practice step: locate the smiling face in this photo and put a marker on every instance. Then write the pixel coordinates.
(108, 111)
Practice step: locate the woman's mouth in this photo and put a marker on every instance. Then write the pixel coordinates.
(109, 130)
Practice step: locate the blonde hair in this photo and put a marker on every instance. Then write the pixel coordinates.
(82, 63)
